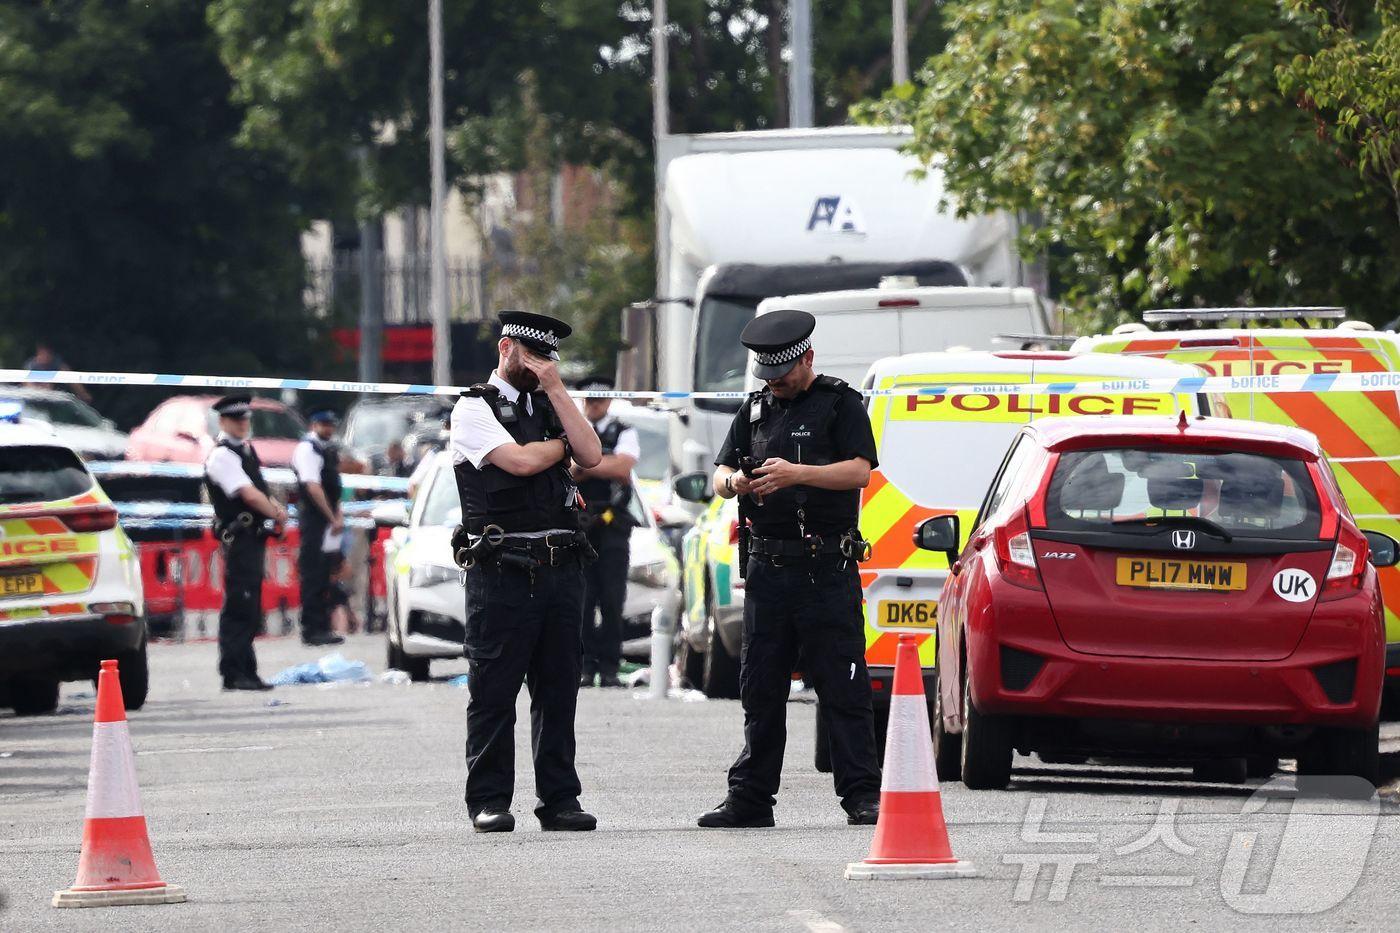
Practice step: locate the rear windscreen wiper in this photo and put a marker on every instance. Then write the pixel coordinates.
(1205, 524)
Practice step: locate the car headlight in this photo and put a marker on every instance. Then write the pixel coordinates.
(654, 574)
(431, 575)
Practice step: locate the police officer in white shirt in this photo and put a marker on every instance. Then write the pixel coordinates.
(607, 494)
(513, 440)
(316, 462)
(245, 515)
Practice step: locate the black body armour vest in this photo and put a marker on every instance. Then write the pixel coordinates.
(308, 513)
(602, 494)
(226, 508)
(491, 496)
(798, 431)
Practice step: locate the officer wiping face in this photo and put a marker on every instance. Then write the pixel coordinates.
(513, 440)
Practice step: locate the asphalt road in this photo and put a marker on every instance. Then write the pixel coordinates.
(316, 808)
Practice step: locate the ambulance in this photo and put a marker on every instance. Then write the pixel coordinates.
(1359, 431)
(938, 454)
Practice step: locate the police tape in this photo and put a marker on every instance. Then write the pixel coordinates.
(153, 515)
(357, 482)
(1189, 385)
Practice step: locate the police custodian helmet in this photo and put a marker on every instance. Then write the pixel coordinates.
(778, 341)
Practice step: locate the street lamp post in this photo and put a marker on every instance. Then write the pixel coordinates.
(437, 279)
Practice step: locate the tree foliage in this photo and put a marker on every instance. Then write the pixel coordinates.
(134, 232)
(1352, 82)
(1151, 143)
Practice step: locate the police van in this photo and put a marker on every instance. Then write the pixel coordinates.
(937, 457)
(1359, 431)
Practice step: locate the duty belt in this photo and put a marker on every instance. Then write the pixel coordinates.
(550, 550)
(810, 546)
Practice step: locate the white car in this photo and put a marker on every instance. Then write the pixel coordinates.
(75, 423)
(70, 579)
(426, 603)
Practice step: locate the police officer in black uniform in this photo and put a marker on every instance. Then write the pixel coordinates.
(798, 454)
(316, 462)
(512, 442)
(245, 515)
(607, 496)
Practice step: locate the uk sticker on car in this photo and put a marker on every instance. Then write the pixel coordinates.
(1296, 586)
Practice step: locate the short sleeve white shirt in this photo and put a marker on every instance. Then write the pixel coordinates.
(629, 444)
(225, 469)
(307, 461)
(475, 432)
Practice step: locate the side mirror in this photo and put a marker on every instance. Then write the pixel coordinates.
(390, 515)
(1385, 551)
(693, 487)
(940, 533)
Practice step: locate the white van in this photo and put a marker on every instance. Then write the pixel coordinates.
(855, 328)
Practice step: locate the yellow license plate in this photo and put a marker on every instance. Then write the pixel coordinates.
(1166, 574)
(909, 613)
(21, 584)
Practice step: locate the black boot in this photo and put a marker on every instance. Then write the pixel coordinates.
(729, 815)
(493, 820)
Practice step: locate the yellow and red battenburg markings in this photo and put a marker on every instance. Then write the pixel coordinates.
(1359, 431)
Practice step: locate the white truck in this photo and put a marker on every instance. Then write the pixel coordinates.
(748, 216)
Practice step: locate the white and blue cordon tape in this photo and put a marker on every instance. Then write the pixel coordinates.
(1317, 382)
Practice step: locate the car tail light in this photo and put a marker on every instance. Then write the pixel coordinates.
(899, 302)
(1348, 564)
(1197, 342)
(1014, 553)
(98, 518)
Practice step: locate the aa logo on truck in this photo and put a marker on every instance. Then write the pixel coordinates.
(835, 214)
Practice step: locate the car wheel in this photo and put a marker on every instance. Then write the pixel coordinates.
(1221, 771)
(1261, 766)
(822, 758)
(947, 746)
(135, 676)
(689, 662)
(1348, 752)
(33, 696)
(720, 676)
(986, 744)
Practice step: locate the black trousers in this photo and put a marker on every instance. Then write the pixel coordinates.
(240, 619)
(604, 595)
(522, 631)
(811, 609)
(314, 571)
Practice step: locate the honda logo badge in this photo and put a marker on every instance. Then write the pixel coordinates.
(1183, 540)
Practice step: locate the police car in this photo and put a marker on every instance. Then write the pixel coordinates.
(426, 604)
(70, 581)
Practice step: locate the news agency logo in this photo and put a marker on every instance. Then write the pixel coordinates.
(1183, 540)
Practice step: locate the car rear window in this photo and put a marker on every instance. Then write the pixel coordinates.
(40, 474)
(1246, 494)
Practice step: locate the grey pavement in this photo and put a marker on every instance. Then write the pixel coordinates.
(319, 808)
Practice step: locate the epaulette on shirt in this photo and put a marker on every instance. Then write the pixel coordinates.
(481, 390)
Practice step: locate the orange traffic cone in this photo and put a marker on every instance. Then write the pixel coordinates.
(116, 866)
(911, 840)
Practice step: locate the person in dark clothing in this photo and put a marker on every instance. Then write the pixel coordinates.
(245, 515)
(607, 495)
(316, 462)
(799, 452)
(512, 441)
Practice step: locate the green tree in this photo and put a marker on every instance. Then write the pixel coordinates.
(134, 232)
(1352, 83)
(1151, 141)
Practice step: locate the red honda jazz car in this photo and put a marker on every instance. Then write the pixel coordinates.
(1184, 591)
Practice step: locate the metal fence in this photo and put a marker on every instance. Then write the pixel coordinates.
(474, 289)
